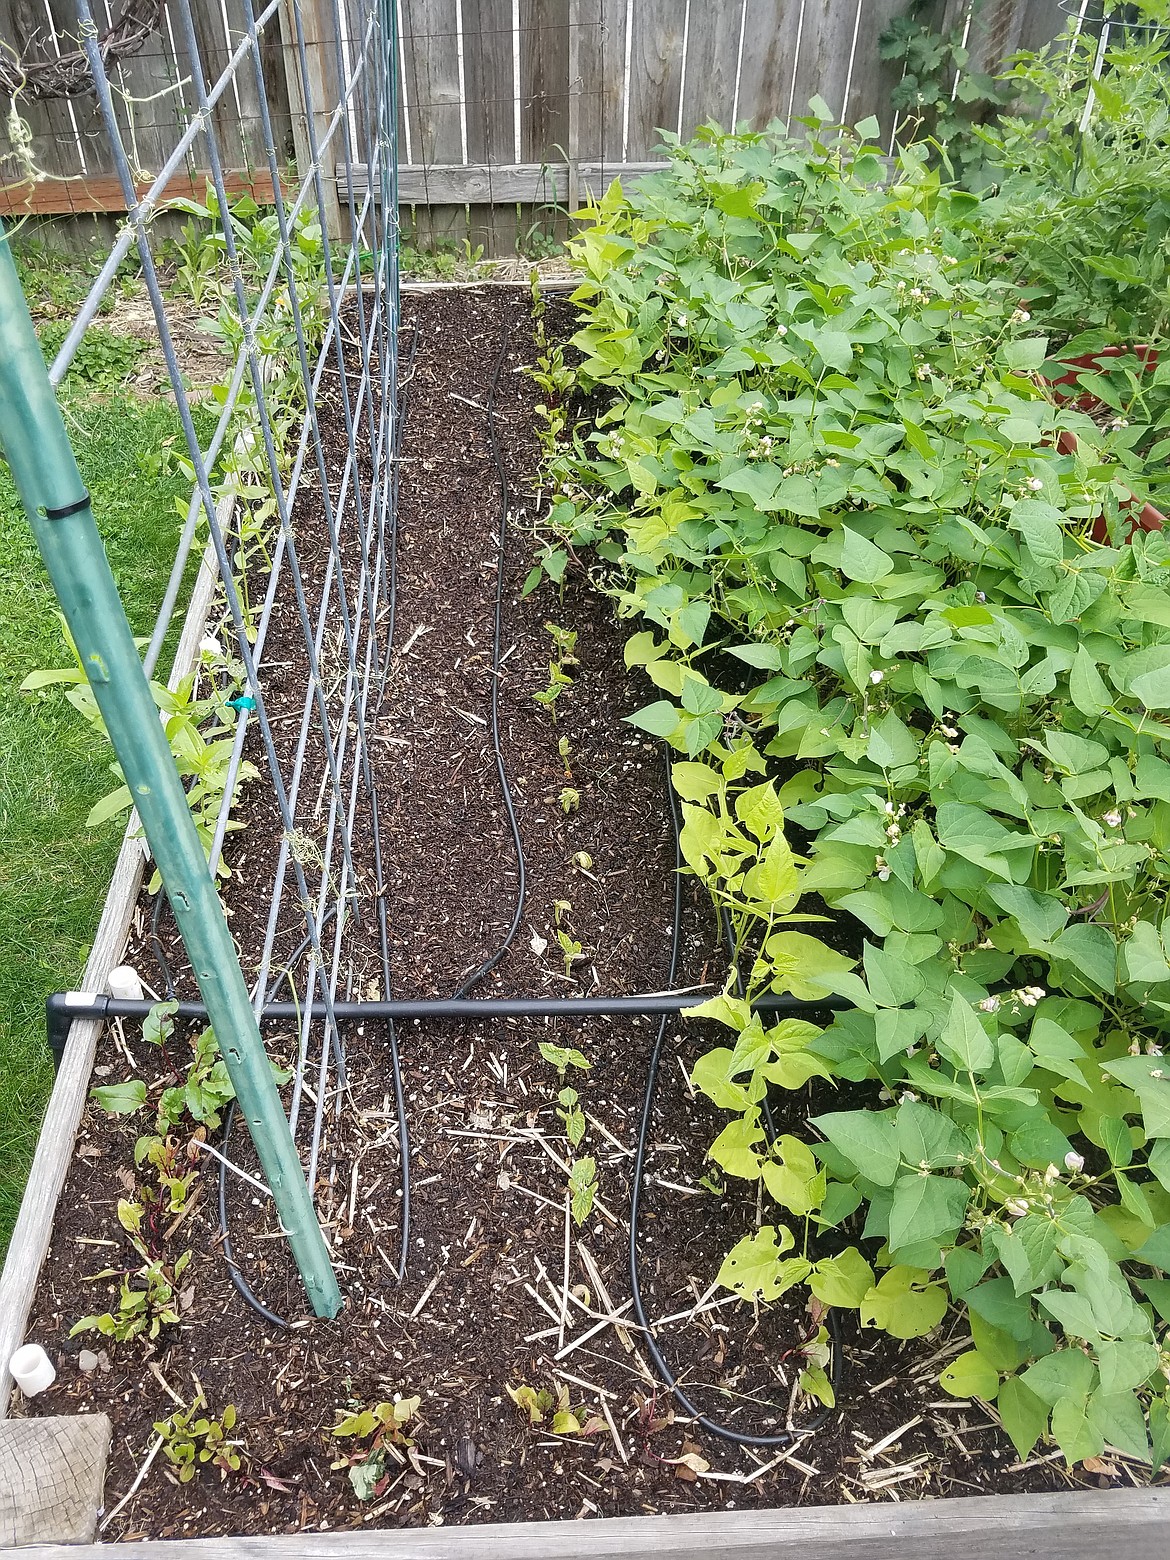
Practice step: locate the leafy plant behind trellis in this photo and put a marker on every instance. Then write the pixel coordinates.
(201, 730)
(940, 101)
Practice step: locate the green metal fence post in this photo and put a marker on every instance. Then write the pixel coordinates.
(37, 448)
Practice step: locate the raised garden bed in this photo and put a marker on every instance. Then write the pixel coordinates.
(503, 1290)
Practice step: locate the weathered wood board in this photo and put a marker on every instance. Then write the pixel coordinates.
(1136, 1523)
(51, 1477)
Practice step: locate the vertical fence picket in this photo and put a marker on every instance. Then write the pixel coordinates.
(712, 60)
(874, 79)
(544, 103)
(436, 102)
(279, 106)
(823, 64)
(655, 75)
(612, 86)
(590, 19)
(768, 58)
(487, 50)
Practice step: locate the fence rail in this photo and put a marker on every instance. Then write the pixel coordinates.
(506, 107)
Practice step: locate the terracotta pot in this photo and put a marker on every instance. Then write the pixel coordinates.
(1142, 517)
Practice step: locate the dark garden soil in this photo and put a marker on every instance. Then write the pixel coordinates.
(501, 1289)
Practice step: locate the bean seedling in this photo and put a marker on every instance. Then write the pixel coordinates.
(572, 1116)
(855, 488)
(565, 643)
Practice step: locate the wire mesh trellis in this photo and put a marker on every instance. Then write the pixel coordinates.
(292, 499)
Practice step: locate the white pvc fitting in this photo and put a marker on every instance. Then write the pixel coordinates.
(124, 983)
(32, 1369)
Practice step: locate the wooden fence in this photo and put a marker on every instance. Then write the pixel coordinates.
(526, 103)
(508, 109)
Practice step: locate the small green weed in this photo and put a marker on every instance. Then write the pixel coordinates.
(105, 360)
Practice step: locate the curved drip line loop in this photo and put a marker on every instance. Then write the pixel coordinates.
(234, 1272)
(490, 964)
(712, 1426)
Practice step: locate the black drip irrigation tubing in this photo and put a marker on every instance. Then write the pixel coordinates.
(235, 1272)
(62, 1008)
(490, 963)
(403, 393)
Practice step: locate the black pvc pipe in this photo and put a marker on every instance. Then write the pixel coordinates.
(62, 1007)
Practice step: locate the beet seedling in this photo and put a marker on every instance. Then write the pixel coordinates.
(188, 1442)
(383, 1430)
(142, 1311)
(175, 1164)
(536, 1402)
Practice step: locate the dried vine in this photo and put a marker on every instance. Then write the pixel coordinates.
(69, 75)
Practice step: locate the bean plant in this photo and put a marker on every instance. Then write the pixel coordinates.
(922, 727)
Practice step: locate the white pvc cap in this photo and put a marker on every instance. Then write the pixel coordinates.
(124, 982)
(32, 1369)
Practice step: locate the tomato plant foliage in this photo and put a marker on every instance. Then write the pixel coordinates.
(858, 557)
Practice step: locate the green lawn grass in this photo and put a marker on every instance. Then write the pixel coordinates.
(54, 872)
